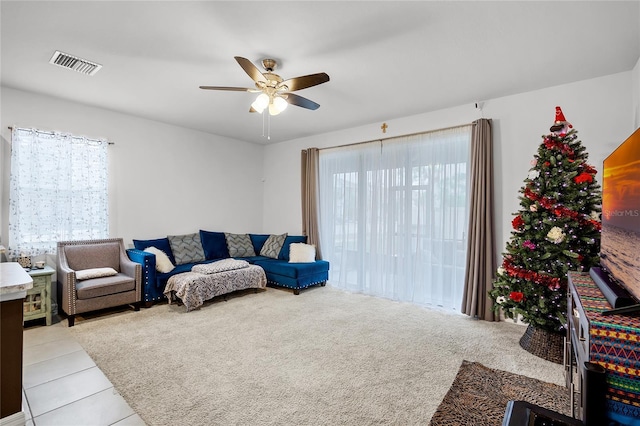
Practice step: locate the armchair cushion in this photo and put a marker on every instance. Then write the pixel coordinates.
(90, 256)
(89, 289)
(86, 274)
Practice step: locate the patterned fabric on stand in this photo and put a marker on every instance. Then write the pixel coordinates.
(615, 345)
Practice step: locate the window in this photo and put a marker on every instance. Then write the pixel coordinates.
(393, 216)
(58, 190)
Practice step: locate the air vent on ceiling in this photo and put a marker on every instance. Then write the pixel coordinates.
(74, 63)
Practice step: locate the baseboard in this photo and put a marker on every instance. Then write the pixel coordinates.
(16, 419)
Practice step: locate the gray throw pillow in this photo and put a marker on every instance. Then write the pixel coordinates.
(273, 245)
(186, 248)
(239, 245)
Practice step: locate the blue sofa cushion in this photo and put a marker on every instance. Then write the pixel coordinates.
(284, 253)
(160, 243)
(258, 241)
(252, 259)
(214, 245)
(293, 270)
(162, 278)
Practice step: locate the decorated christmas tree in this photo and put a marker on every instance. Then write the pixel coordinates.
(556, 230)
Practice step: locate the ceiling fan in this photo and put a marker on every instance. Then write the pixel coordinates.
(275, 93)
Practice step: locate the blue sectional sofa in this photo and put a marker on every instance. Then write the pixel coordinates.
(279, 271)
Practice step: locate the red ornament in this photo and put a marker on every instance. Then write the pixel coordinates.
(516, 296)
(583, 177)
(517, 223)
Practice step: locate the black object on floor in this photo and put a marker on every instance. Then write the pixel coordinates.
(522, 413)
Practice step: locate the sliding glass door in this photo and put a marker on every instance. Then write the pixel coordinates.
(393, 216)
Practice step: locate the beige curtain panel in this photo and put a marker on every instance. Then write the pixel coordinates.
(310, 205)
(481, 262)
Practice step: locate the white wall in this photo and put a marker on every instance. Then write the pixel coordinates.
(599, 109)
(163, 179)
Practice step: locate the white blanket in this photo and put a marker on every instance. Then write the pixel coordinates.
(220, 266)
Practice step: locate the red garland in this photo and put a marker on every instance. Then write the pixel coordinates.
(560, 210)
(589, 169)
(562, 147)
(553, 283)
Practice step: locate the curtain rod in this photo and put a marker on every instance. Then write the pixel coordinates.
(51, 133)
(394, 137)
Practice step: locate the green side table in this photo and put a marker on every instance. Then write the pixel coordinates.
(37, 304)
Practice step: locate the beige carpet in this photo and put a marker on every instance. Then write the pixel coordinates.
(272, 358)
(479, 395)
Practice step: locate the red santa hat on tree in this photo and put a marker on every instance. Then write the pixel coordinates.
(560, 125)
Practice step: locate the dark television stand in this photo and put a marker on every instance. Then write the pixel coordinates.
(618, 297)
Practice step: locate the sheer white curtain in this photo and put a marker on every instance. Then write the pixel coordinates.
(393, 216)
(58, 190)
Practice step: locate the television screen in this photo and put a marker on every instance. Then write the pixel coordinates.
(620, 242)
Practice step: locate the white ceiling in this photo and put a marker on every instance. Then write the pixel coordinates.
(385, 59)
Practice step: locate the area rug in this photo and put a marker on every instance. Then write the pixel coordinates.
(324, 357)
(479, 396)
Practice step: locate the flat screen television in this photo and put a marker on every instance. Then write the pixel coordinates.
(620, 238)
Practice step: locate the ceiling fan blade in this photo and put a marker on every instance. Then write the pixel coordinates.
(233, 89)
(297, 100)
(251, 69)
(299, 83)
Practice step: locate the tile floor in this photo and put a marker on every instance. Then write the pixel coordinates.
(63, 386)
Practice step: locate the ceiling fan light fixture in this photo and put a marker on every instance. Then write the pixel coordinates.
(280, 103)
(261, 102)
(273, 110)
(274, 91)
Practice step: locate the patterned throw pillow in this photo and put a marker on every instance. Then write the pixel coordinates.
(186, 248)
(272, 246)
(239, 245)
